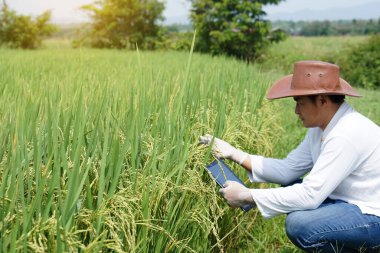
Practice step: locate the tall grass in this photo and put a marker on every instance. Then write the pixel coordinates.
(99, 150)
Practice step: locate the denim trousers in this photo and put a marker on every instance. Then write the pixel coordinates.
(335, 226)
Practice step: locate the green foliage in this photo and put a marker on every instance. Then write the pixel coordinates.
(123, 24)
(181, 41)
(277, 35)
(360, 65)
(280, 57)
(106, 158)
(178, 41)
(21, 31)
(179, 28)
(176, 37)
(329, 28)
(235, 28)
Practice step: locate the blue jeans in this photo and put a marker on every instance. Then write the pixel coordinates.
(335, 226)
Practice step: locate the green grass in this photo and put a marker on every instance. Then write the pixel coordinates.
(99, 148)
(281, 56)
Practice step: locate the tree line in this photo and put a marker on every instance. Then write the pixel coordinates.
(233, 28)
(23, 31)
(329, 28)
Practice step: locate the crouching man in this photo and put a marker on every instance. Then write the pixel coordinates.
(336, 206)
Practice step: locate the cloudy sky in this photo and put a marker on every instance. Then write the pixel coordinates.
(67, 11)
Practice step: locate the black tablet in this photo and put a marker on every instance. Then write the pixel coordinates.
(221, 173)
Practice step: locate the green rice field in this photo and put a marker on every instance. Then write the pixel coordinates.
(99, 149)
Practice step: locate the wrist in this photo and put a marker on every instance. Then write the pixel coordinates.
(246, 196)
(239, 156)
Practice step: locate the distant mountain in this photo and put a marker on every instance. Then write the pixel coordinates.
(362, 11)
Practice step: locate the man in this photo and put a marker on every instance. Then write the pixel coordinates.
(336, 206)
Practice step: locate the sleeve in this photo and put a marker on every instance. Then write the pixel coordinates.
(337, 160)
(284, 171)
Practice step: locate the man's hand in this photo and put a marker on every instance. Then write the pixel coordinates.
(236, 194)
(222, 149)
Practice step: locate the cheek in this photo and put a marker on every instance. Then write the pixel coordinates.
(302, 110)
(313, 114)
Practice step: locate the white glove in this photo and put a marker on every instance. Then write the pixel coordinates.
(222, 149)
(236, 194)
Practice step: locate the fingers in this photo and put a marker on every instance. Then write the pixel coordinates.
(223, 190)
(205, 139)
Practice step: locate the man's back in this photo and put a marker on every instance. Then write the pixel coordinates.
(362, 185)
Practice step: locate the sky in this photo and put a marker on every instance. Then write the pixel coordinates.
(67, 11)
(296, 5)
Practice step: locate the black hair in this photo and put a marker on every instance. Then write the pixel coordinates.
(336, 99)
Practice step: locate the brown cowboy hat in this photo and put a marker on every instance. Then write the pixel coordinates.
(312, 78)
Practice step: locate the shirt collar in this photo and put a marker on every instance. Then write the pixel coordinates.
(343, 109)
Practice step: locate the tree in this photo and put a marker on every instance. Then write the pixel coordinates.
(124, 23)
(360, 65)
(21, 31)
(232, 27)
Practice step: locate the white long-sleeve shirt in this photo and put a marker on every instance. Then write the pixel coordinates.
(342, 162)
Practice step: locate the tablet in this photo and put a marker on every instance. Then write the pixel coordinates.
(221, 173)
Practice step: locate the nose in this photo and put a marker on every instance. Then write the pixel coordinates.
(297, 110)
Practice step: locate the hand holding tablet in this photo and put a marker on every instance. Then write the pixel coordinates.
(222, 173)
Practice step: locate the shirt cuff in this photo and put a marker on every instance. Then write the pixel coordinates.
(258, 196)
(257, 168)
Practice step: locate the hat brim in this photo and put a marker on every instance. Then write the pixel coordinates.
(282, 89)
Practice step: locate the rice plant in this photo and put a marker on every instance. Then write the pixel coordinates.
(99, 150)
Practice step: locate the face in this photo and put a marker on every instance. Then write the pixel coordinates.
(310, 113)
